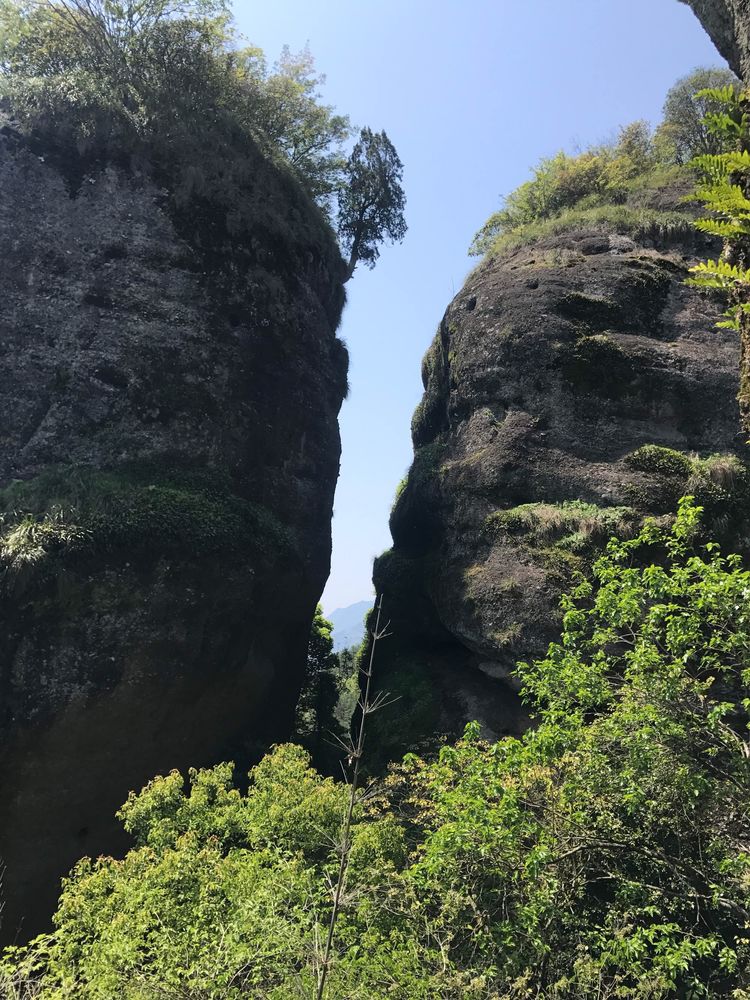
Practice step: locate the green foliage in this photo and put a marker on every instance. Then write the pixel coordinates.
(316, 724)
(639, 222)
(602, 854)
(137, 508)
(348, 685)
(568, 190)
(723, 192)
(654, 458)
(579, 855)
(31, 541)
(400, 488)
(690, 106)
(371, 199)
(162, 84)
(719, 482)
(287, 114)
(206, 862)
(617, 185)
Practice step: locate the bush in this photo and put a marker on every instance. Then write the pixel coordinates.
(664, 461)
(573, 524)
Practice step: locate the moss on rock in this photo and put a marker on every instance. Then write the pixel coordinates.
(139, 508)
(659, 460)
(597, 365)
(574, 524)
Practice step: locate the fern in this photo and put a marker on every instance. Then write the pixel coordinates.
(720, 273)
(725, 181)
(727, 199)
(730, 121)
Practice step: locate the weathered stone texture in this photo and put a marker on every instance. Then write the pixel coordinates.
(728, 25)
(122, 347)
(551, 368)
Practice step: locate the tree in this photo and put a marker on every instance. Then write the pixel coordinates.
(108, 38)
(286, 110)
(685, 109)
(371, 200)
(320, 694)
(575, 862)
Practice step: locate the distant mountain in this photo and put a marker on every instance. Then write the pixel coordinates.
(349, 624)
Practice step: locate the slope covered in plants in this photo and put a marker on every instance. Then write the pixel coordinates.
(602, 854)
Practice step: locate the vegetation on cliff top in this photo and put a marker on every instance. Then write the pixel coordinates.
(167, 85)
(619, 185)
(602, 854)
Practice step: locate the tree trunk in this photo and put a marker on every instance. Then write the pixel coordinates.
(353, 261)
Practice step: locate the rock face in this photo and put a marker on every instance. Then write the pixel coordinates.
(169, 450)
(574, 386)
(727, 23)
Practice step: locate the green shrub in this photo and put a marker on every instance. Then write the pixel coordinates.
(659, 460)
(574, 524)
(719, 482)
(660, 226)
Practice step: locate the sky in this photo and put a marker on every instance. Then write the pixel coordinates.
(472, 94)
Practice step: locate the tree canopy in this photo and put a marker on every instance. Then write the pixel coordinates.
(685, 108)
(371, 199)
(316, 725)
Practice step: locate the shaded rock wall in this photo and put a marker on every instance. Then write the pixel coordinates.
(727, 23)
(554, 370)
(169, 450)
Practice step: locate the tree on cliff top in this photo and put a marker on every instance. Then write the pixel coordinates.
(371, 199)
(46, 38)
(286, 108)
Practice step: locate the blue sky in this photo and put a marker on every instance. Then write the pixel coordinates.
(472, 94)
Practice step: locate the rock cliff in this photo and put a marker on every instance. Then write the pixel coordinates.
(575, 385)
(728, 25)
(169, 450)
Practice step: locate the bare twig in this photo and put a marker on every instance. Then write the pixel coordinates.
(355, 751)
